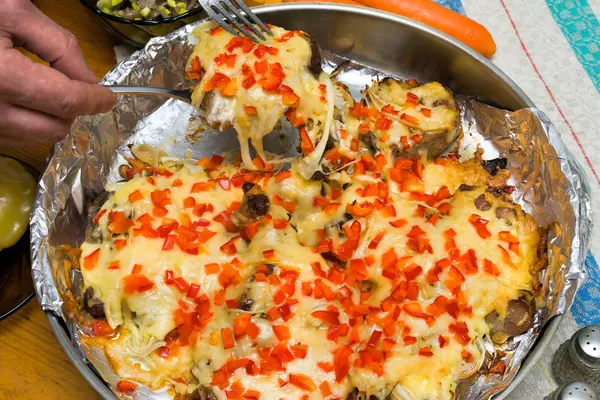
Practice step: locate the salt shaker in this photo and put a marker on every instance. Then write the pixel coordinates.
(574, 391)
(578, 359)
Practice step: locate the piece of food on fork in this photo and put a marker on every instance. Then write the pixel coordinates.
(250, 87)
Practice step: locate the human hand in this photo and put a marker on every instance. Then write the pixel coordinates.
(38, 103)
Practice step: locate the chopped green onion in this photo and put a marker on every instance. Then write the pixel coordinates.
(107, 11)
(115, 2)
(137, 19)
(182, 5)
(135, 6)
(182, 11)
(145, 12)
(172, 3)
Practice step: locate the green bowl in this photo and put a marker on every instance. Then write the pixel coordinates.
(138, 33)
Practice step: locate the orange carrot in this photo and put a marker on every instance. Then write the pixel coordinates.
(458, 26)
(351, 2)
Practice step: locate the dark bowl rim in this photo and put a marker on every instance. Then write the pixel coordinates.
(36, 174)
(90, 5)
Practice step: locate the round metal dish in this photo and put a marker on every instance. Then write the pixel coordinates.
(393, 45)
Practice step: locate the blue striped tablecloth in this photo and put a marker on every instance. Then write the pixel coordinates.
(551, 49)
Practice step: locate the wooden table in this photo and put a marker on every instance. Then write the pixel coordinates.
(32, 363)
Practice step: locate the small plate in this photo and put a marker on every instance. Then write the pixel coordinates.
(16, 283)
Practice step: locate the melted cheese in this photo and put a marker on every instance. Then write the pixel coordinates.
(378, 279)
(145, 318)
(293, 55)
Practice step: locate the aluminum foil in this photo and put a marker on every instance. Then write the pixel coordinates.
(549, 184)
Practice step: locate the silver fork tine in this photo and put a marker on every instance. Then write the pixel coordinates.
(217, 17)
(216, 4)
(244, 7)
(250, 25)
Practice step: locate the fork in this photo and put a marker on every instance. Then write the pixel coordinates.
(184, 95)
(221, 11)
(219, 16)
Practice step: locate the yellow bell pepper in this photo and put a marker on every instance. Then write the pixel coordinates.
(17, 192)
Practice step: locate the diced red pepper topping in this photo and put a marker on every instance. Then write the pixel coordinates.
(288, 97)
(383, 123)
(181, 284)
(409, 119)
(137, 283)
(245, 43)
(331, 317)
(287, 36)
(480, 226)
(126, 387)
(325, 389)
(303, 382)
(425, 352)
(212, 268)
(374, 339)
(412, 98)
(389, 109)
(227, 60)
(282, 332)
(119, 223)
(364, 128)
(136, 196)
(455, 279)
(230, 88)
(247, 83)
(442, 341)
(195, 71)
(280, 224)
(305, 142)
(227, 338)
(461, 332)
(360, 210)
(218, 80)
(269, 254)
(90, 261)
(375, 242)
(270, 82)
(506, 256)
(203, 186)
(99, 215)
(506, 236)
(398, 223)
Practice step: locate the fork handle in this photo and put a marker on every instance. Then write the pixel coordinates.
(183, 95)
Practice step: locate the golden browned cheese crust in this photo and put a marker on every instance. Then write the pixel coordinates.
(288, 238)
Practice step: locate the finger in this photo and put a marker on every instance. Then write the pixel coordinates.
(37, 33)
(31, 85)
(22, 127)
